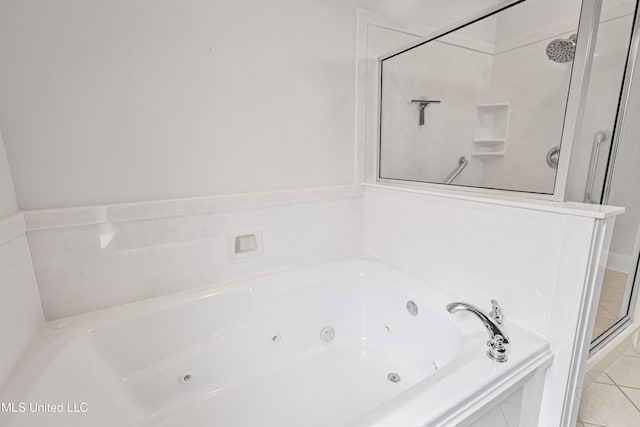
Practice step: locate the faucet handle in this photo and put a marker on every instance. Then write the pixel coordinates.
(497, 339)
(497, 351)
(496, 312)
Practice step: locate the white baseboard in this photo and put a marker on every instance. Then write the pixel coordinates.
(620, 262)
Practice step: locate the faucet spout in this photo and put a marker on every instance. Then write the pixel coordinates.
(492, 327)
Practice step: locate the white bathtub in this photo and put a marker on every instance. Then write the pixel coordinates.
(251, 353)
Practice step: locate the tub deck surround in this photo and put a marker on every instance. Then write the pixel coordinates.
(11, 227)
(543, 261)
(251, 353)
(565, 208)
(43, 219)
(90, 258)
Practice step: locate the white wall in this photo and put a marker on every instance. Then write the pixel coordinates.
(8, 204)
(104, 102)
(20, 309)
(535, 17)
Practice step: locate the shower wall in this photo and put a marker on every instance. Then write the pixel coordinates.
(626, 238)
(520, 76)
(625, 246)
(437, 71)
(601, 106)
(536, 89)
(505, 66)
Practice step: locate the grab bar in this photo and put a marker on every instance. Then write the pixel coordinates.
(462, 163)
(598, 138)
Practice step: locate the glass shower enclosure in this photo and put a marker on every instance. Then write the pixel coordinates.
(605, 157)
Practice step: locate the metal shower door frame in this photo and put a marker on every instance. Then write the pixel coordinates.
(616, 140)
(623, 104)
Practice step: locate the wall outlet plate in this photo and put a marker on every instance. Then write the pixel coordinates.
(244, 244)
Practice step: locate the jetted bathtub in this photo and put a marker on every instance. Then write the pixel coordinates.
(328, 345)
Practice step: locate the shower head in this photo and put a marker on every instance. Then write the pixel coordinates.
(562, 50)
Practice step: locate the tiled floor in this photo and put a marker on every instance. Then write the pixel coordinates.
(614, 399)
(610, 303)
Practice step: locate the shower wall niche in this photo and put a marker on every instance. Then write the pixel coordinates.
(490, 131)
(502, 101)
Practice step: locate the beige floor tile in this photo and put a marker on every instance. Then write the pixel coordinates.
(594, 374)
(633, 394)
(613, 307)
(626, 372)
(609, 273)
(605, 404)
(601, 325)
(604, 313)
(611, 300)
(632, 352)
(612, 295)
(615, 279)
(604, 379)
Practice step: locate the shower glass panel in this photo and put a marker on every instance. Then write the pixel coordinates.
(483, 105)
(592, 176)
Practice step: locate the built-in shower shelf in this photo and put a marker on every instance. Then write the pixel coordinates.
(490, 131)
(489, 142)
(495, 105)
(487, 155)
(488, 148)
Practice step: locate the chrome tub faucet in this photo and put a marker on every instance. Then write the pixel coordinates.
(497, 338)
